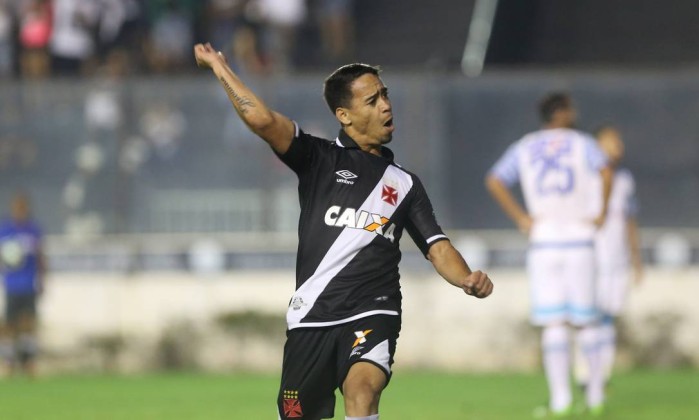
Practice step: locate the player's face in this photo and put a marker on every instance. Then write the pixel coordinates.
(564, 117)
(569, 117)
(370, 113)
(20, 209)
(611, 144)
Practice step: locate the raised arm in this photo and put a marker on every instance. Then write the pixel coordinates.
(508, 203)
(271, 126)
(451, 265)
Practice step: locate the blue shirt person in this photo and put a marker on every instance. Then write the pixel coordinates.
(22, 265)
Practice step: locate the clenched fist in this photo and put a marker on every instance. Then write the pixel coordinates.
(477, 284)
(206, 56)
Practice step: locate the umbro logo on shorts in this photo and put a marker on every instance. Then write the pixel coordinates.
(345, 177)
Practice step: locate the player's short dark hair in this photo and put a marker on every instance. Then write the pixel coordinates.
(337, 87)
(552, 103)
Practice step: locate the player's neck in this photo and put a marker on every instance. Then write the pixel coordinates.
(364, 142)
(371, 148)
(555, 126)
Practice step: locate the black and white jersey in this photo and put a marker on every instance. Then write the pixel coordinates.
(354, 207)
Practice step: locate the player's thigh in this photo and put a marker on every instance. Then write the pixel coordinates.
(371, 340)
(16, 308)
(363, 386)
(580, 278)
(26, 314)
(309, 377)
(612, 288)
(547, 289)
(26, 323)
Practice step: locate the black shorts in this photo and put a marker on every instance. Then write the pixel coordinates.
(317, 360)
(18, 305)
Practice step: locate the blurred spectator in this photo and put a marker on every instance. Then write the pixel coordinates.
(247, 57)
(103, 103)
(336, 23)
(163, 126)
(6, 52)
(18, 149)
(23, 267)
(233, 28)
(73, 41)
(171, 35)
(282, 19)
(35, 31)
(121, 31)
(223, 18)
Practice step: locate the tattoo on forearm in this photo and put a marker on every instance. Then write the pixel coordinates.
(242, 102)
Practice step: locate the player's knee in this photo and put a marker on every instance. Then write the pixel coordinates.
(26, 323)
(362, 396)
(362, 388)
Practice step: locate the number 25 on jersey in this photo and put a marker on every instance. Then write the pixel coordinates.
(551, 161)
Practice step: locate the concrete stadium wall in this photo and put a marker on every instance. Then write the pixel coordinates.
(442, 328)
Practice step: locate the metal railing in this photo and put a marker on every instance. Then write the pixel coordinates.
(215, 252)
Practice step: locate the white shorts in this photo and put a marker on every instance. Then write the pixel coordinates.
(612, 287)
(562, 282)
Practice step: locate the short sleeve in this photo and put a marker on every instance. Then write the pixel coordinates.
(632, 205)
(506, 169)
(303, 151)
(594, 156)
(422, 223)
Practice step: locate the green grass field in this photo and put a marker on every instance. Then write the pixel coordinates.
(638, 395)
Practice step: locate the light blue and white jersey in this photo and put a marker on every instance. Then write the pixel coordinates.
(612, 239)
(557, 170)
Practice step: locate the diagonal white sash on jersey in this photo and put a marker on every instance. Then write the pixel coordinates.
(345, 248)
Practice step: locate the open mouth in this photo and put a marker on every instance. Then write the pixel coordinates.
(389, 123)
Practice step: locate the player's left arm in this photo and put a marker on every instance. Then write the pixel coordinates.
(597, 161)
(635, 248)
(451, 265)
(607, 176)
(435, 246)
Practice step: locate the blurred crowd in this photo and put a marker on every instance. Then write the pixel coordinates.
(46, 38)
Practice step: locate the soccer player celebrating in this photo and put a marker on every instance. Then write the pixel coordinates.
(616, 245)
(23, 267)
(344, 317)
(557, 168)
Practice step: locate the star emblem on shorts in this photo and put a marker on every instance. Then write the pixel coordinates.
(389, 195)
(292, 405)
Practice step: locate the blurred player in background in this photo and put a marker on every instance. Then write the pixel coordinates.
(344, 317)
(23, 268)
(617, 245)
(557, 168)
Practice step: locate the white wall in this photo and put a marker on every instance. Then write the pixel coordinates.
(442, 327)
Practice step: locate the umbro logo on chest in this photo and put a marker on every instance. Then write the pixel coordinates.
(345, 177)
